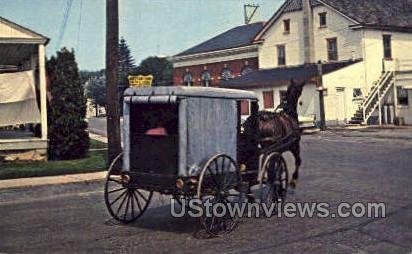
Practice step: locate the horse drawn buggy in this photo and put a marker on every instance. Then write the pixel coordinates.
(186, 142)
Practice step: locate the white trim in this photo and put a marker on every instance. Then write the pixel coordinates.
(280, 12)
(24, 40)
(272, 20)
(43, 91)
(215, 53)
(336, 10)
(215, 59)
(23, 29)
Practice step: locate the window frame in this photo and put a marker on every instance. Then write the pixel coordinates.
(387, 48)
(190, 83)
(281, 61)
(244, 107)
(404, 100)
(271, 103)
(223, 73)
(286, 26)
(323, 17)
(206, 82)
(330, 52)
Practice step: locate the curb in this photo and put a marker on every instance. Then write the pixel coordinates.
(51, 180)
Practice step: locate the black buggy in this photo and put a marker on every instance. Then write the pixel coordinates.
(184, 142)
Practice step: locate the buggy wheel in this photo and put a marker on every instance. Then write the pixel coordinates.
(273, 181)
(220, 186)
(124, 201)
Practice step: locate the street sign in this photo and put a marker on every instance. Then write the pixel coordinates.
(140, 81)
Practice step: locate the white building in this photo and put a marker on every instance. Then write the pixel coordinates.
(371, 43)
(22, 90)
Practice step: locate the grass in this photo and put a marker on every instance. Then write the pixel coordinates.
(94, 144)
(95, 161)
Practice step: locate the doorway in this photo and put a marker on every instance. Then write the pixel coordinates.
(340, 105)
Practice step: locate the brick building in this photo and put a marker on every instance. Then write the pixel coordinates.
(223, 57)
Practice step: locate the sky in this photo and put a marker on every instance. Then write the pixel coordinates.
(150, 27)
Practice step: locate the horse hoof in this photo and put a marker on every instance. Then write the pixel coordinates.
(293, 184)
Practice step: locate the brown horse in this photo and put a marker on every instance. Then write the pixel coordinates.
(267, 128)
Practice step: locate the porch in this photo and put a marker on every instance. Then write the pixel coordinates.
(23, 111)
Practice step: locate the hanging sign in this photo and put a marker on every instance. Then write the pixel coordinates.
(140, 81)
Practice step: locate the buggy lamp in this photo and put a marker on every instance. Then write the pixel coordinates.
(125, 179)
(190, 183)
(180, 183)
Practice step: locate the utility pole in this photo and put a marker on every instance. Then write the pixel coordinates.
(112, 97)
(248, 17)
(321, 99)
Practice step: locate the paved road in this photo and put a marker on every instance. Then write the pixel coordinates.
(98, 125)
(336, 168)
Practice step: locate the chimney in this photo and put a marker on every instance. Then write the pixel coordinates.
(308, 37)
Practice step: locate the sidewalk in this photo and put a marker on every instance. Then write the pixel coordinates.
(383, 132)
(50, 180)
(98, 137)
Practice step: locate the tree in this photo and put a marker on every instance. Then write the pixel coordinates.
(67, 111)
(95, 90)
(159, 67)
(125, 67)
(126, 63)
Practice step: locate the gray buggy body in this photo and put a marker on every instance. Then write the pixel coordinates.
(200, 122)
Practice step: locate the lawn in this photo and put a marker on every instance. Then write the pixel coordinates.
(95, 161)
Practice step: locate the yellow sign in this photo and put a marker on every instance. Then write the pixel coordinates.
(140, 81)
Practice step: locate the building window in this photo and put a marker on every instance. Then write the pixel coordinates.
(188, 78)
(402, 95)
(332, 49)
(246, 69)
(226, 73)
(268, 102)
(357, 93)
(322, 19)
(206, 78)
(283, 98)
(281, 55)
(244, 108)
(387, 46)
(286, 26)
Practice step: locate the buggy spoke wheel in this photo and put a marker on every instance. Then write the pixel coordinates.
(273, 182)
(120, 198)
(219, 185)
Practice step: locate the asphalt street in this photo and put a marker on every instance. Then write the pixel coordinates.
(337, 167)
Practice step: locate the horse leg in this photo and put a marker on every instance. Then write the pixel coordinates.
(295, 150)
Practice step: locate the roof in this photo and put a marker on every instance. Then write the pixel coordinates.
(282, 76)
(183, 91)
(233, 38)
(18, 32)
(377, 14)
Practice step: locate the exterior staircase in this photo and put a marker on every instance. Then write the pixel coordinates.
(371, 102)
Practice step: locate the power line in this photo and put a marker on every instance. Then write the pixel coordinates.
(79, 27)
(64, 23)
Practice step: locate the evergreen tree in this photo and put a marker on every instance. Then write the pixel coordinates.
(159, 67)
(125, 68)
(67, 111)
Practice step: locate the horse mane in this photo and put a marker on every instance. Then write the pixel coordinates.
(293, 93)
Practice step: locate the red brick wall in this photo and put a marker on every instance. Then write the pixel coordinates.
(215, 70)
